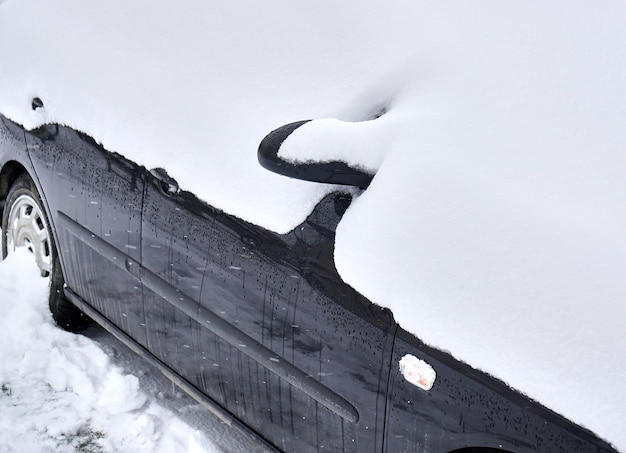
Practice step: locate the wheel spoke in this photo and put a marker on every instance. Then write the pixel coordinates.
(21, 223)
(24, 210)
(45, 265)
(28, 228)
(40, 236)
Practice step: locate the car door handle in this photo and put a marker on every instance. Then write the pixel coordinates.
(167, 184)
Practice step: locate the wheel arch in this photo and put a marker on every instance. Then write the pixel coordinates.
(8, 174)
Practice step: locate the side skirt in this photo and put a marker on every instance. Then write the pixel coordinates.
(183, 384)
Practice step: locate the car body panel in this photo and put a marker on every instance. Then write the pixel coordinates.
(468, 408)
(258, 323)
(264, 339)
(102, 194)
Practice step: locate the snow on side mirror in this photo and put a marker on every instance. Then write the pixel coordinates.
(333, 172)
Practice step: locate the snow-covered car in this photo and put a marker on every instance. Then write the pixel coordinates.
(255, 324)
(435, 262)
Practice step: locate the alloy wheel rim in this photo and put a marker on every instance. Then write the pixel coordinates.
(27, 227)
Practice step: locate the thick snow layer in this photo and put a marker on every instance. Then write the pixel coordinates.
(59, 391)
(193, 86)
(494, 226)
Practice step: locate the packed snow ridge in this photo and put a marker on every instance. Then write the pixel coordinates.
(59, 391)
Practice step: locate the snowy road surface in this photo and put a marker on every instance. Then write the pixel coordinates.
(86, 393)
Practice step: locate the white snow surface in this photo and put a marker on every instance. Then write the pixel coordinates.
(494, 228)
(59, 391)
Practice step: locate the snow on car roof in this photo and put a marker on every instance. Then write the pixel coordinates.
(494, 226)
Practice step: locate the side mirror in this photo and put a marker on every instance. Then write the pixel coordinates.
(333, 172)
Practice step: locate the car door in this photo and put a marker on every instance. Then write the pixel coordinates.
(263, 325)
(94, 198)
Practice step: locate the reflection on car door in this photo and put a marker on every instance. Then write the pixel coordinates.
(261, 323)
(96, 198)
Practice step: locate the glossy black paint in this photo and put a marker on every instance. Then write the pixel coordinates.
(253, 438)
(265, 327)
(255, 324)
(466, 407)
(103, 194)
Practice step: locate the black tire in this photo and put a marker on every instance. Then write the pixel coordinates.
(24, 223)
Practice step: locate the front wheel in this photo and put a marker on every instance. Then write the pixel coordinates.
(24, 224)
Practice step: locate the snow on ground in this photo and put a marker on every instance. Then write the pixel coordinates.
(60, 391)
(497, 211)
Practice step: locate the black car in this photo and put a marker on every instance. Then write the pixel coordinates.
(256, 325)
